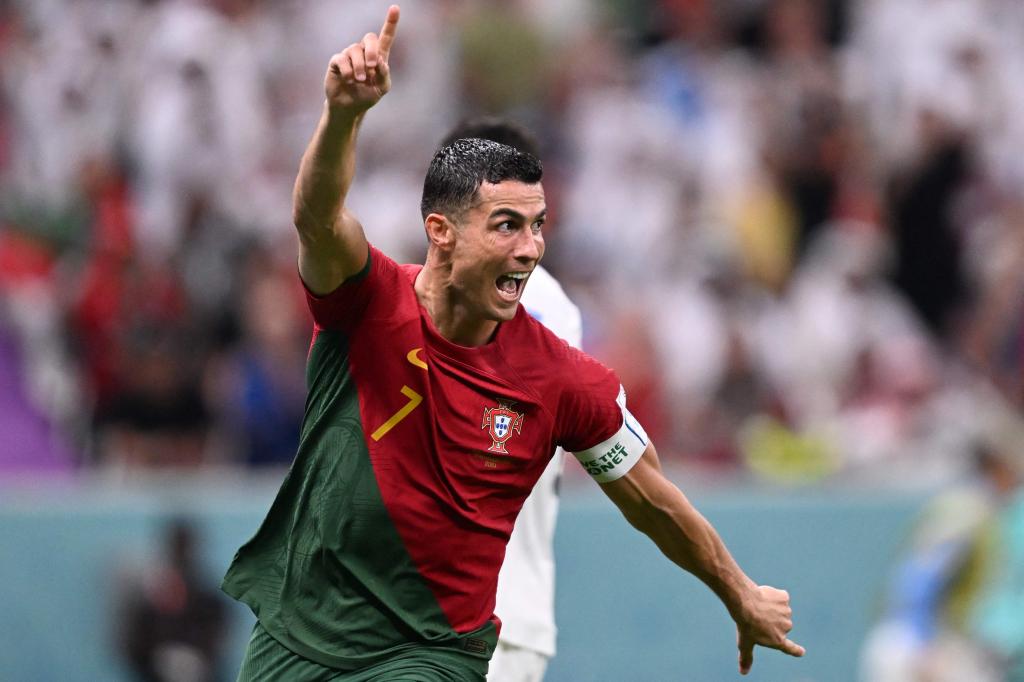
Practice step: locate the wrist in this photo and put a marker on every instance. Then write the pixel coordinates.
(741, 603)
(338, 116)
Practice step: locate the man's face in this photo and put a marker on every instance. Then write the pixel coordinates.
(498, 244)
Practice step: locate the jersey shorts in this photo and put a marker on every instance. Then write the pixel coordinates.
(415, 457)
(266, 660)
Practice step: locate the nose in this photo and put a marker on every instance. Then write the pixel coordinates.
(529, 248)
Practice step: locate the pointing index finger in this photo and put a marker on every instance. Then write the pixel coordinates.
(387, 32)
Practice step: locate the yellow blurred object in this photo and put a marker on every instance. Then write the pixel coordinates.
(766, 231)
(773, 450)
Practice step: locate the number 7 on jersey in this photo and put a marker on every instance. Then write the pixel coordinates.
(414, 400)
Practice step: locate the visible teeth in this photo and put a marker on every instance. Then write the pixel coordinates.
(517, 275)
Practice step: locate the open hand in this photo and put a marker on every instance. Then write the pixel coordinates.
(358, 76)
(766, 622)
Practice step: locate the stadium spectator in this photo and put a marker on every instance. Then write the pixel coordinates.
(255, 383)
(172, 622)
(158, 418)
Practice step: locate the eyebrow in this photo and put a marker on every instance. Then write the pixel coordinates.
(515, 215)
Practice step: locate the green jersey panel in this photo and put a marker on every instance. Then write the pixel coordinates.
(327, 573)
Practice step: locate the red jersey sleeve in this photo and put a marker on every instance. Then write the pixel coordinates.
(347, 304)
(588, 412)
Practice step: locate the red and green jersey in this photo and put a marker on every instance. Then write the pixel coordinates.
(415, 457)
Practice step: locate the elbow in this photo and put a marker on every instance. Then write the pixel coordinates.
(662, 517)
(648, 501)
(312, 219)
(311, 230)
(303, 221)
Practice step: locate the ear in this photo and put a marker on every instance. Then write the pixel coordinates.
(441, 232)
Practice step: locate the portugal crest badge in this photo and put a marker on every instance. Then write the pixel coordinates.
(502, 420)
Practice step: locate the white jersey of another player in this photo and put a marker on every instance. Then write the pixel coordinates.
(526, 583)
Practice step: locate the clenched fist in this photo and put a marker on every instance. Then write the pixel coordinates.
(766, 621)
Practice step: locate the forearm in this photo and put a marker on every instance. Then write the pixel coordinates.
(326, 172)
(655, 506)
(332, 246)
(686, 537)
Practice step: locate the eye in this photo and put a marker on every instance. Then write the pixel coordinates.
(506, 226)
(537, 226)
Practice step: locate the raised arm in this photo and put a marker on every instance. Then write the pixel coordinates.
(332, 246)
(653, 505)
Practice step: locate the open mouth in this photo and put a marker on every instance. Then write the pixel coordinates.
(510, 285)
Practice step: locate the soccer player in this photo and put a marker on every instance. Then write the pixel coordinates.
(526, 583)
(435, 402)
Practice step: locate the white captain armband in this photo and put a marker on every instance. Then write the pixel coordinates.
(613, 458)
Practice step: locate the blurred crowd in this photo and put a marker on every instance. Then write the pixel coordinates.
(795, 227)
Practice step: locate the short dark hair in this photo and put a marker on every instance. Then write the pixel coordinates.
(458, 169)
(501, 130)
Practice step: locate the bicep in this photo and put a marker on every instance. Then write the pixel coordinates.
(327, 257)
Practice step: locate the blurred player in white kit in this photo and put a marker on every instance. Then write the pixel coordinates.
(526, 584)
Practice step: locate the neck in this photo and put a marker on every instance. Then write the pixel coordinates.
(448, 309)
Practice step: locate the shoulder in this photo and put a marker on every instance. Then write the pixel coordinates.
(381, 283)
(539, 352)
